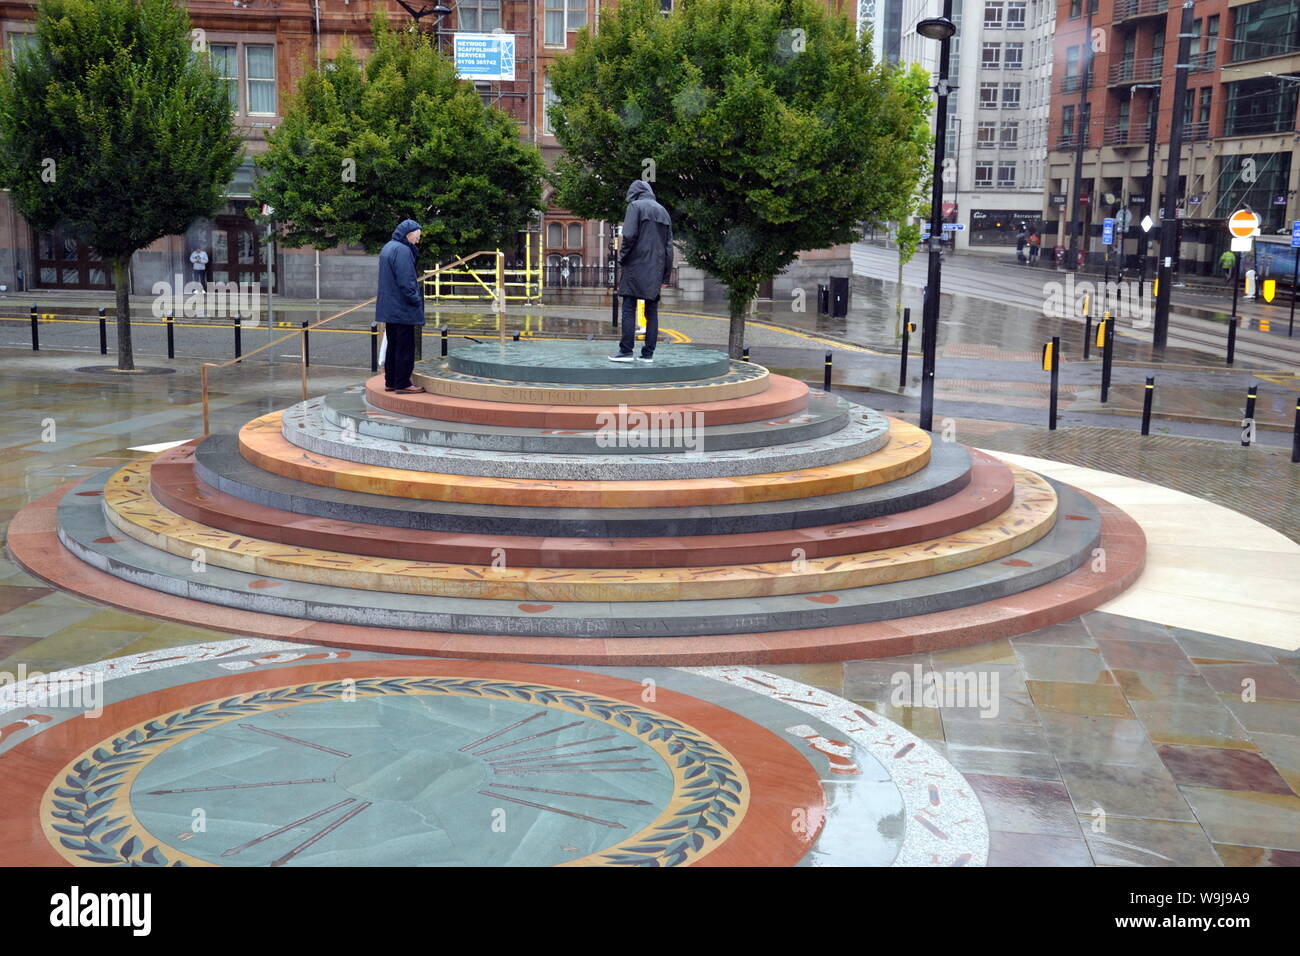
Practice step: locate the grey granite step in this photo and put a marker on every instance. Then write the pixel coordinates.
(348, 409)
(219, 465)
(85, 531)
(304, 425)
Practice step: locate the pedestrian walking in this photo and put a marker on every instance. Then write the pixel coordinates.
(646, 258)
(1035, 244)
(400, 306)
(1022, 240)
(199, 263)
(1226, 262)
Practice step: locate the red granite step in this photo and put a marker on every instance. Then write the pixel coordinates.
(175, 486)
(784, 396)
(33, 541)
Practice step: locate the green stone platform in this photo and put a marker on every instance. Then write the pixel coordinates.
(584, 363)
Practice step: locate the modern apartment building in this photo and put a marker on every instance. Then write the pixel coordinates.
(1238, 118)
(1000, 67)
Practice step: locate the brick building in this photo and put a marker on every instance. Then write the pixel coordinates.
(1238, 119)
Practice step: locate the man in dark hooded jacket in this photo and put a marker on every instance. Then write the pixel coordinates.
(400, 306)
(646, 257)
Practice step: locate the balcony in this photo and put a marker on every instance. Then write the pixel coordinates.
(1124, 134)
(1145, 69)
(1074, 83)
(1134, 9)
(1203, 62)
(1066, 141)
(1196, 132)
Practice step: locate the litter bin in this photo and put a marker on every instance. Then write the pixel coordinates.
(839, 297)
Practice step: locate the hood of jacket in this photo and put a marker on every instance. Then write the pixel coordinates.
(404, 229)
(640, 189)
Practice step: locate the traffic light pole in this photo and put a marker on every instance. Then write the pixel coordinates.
(1169, 225)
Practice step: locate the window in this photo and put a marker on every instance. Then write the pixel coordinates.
(225, 60)
(1072, 57)
(993, 14)
(1259, 106)
(1006, 174)
(260, 61)
(554, 23)
(548, 100)
(1011, 96)
(1267, 28)
(1075, 8)
(986, 136)
(555, 237)
(19, 41)
(1067, 122)
(1207, 97)
(954, 55)
(577, 15)
(984, 172)
(991, 58)
(1016, 15)
(575, 235)
(989, 96)
(1212, 34)
(1010, 134)
(479, 16)
(1014, 58)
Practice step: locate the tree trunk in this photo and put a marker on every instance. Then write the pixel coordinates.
(738, 305)
(898, 303)
(121, 282)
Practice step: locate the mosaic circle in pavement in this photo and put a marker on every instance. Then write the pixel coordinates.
(304, 756)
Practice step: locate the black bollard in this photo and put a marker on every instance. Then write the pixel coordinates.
(1052, 362)
(103, 332)
(516, 337)
(1150, 392)
(826, 375)
(306, 345)
(902, 362)
(1107, 355)
(1087, 335)
(1295, 435)
(171, 336)
(239, 337)
(444, 341)
(744, 354)
(374, 347)
(1232, 338)
(36, 334)
(1246, 424)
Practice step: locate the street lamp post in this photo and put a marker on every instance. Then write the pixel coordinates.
(1080, 144)
(439, 10)
(941, 29)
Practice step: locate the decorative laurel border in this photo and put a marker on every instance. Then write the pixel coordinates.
(88, 818)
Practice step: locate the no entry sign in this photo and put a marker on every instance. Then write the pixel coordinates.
(1243, 224)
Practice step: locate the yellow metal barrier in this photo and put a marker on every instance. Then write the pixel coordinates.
(512, 285)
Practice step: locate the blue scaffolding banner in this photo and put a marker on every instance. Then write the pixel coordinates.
(485, 56)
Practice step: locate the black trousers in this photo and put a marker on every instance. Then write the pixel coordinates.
(399, 354)
(627, 344)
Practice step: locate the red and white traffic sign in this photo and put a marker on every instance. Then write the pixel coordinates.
(1243, 224)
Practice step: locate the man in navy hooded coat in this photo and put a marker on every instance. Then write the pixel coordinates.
(400, 306)
(646, 257)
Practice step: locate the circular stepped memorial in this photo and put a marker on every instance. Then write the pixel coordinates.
(541, 502)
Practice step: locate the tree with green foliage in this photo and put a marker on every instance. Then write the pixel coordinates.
(364, 146)
(908, 206)
(765, 127)
(115, 131)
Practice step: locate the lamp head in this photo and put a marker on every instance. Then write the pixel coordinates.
(936, 28)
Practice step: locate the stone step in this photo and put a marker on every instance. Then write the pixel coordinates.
(219, 465)
(173, 482)
(84, 530)
(261, 442)
(135, 512)
(783, 396)
(584, 363)
(742, 379)
(665, 430)
(865, 432)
